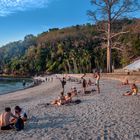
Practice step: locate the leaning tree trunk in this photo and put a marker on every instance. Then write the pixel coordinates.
(109, 61)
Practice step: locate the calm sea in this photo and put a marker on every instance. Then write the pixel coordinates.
(13, 84)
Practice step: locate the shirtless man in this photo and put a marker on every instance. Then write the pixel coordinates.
(5, 123)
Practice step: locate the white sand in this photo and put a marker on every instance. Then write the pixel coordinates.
(104, 116)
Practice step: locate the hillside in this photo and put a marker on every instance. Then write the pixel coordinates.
(75, 49)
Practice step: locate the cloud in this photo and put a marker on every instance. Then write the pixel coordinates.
(8, 7)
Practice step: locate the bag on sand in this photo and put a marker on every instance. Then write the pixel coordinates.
(77, 101)
(19, 125)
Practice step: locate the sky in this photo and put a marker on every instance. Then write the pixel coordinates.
(19, 18)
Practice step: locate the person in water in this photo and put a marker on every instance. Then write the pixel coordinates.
(133, 91)
(5, 119)
(23, 83)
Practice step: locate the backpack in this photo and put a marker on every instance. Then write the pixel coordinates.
(19, 125)
(77, 101)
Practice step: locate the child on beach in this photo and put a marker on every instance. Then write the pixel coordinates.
(134, 90)
(5, 123)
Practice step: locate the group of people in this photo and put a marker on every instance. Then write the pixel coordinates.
(65, 99)
(8, 120)
(85, 84)
(133, 87)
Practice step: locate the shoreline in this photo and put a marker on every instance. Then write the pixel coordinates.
(107, 115)
(32, 84)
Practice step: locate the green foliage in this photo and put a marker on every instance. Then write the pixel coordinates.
(77, 49)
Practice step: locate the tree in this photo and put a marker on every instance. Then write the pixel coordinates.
(105, 13)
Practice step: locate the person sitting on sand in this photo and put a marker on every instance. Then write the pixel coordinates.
(125, 82)
(5, 119)
(20, 113)
(68, 98)
(134, 91)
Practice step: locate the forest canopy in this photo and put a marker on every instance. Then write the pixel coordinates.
(76, 49)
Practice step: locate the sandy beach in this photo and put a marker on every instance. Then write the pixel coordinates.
(104, 116)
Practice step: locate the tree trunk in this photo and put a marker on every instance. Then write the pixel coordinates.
(109, 61)
(75, 66)
(69, 67)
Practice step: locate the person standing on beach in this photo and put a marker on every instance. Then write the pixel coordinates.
(63, 82)
(97, 76)
(84, 83)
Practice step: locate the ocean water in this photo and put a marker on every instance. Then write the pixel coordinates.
(8, 85)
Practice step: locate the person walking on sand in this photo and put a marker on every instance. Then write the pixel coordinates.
(97, 76)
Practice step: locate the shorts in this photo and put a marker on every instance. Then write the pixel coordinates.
(7, 127)
(97, 83)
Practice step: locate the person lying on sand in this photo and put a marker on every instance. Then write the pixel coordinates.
(70, 100)
(134, 90)
(5, 119)
(63, 99)
(60, 100)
